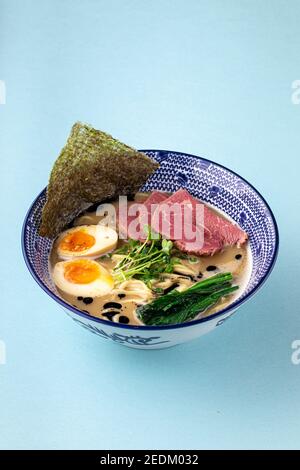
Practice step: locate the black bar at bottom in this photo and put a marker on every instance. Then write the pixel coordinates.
(137, 458)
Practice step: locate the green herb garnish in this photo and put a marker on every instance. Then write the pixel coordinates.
(179, 307)
(144, 260)
(158, 290)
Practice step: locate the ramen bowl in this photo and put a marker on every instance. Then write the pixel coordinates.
(207, 181)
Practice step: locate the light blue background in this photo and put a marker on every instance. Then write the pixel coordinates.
(206, 77)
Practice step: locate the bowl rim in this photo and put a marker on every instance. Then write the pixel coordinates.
(231, 308)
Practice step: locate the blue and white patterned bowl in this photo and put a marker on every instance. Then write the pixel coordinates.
(205, 180)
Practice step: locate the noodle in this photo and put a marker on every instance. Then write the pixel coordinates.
(135, 290)
(120, 304)
(188, 269)
(169, 280)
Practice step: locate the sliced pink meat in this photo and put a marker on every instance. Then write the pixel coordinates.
(204, 235)
(125, 221)
(168, 218)
(131, 225)
(151, 204)
(229, 233)
(209, 248)
(217, 232)
(155, 198)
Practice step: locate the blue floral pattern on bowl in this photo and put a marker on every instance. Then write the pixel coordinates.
(206, 180)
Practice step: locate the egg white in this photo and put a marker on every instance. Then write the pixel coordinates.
(106, 240)
(100, 286)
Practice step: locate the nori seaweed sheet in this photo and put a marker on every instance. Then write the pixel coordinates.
(92, 167)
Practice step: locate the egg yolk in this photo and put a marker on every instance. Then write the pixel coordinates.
(77, 241)
(82, 271)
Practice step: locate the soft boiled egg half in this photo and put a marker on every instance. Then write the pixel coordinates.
(82, 277)
(86, 241)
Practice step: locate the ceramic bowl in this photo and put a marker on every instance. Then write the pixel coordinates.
(205, 180)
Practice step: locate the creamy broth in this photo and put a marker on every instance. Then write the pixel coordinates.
(120, 304)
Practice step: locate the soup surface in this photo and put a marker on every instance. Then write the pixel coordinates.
(121, 303)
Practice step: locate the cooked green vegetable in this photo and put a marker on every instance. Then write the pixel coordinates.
(179, 307)
(92, 167)
(144, 260)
